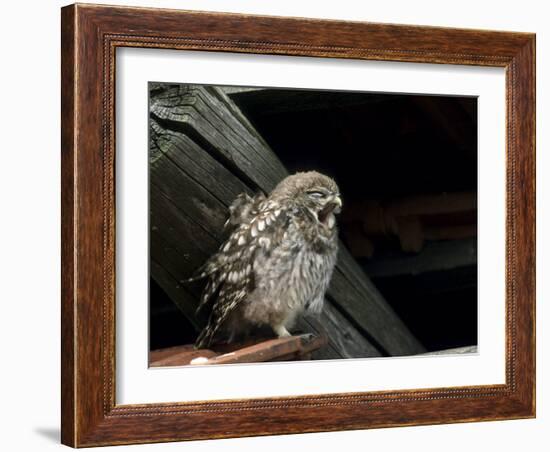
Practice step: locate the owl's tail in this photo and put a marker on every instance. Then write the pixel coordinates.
(205, 338)
(227, 301)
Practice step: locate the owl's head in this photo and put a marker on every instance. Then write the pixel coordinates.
(313, 190)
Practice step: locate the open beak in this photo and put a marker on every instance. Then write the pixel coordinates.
(333, 205)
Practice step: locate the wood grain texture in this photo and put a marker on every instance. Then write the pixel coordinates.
(90, 36)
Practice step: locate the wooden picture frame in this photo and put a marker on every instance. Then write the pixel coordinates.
(90, 36)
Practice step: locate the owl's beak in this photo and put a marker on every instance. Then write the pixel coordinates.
(336, 203)
(332, 206)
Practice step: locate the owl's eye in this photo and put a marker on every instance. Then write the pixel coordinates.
(316, 194)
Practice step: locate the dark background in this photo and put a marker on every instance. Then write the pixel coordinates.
(381, 149)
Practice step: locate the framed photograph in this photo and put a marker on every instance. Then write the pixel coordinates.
(282, 225)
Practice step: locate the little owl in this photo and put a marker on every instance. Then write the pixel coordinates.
(278, 260)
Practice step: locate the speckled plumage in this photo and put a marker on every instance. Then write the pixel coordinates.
(277, 261)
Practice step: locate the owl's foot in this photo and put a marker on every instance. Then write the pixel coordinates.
(281, 331)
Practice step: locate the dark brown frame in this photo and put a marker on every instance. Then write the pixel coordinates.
(90, 35)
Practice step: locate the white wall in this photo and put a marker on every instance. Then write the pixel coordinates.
(29, 394)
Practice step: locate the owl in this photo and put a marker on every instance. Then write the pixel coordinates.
(277, 261)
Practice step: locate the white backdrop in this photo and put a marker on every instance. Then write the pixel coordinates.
(30, 225)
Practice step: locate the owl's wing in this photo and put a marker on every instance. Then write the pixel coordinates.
(241, 211)
(231, 270)
(244, 208)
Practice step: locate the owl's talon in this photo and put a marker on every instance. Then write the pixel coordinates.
(281, 331)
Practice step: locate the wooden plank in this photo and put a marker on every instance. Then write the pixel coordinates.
(181, 355)
(286, 348)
